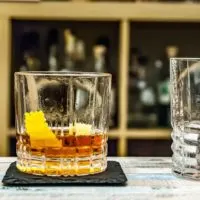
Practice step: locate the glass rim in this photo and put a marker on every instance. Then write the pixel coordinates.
(184, 58)
(64, 74)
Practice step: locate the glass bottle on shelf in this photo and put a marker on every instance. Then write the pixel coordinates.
(78, 58)
(141, 72)
(163, 86)
(80, 50)
(69, 51)
(31, 63)
(99, 58)
(23, 66)
(52, 49)
(146, 94)
(28, 48)
(100, 65)
(80, 55)
(100, 62)
(53, 62)
(133, 70)
(134, 101)
(142, 98)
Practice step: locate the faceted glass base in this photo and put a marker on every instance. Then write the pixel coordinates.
(186, 156)
(62, 166)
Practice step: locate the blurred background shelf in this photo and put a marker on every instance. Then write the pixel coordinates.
(139, 38)
(42, 45)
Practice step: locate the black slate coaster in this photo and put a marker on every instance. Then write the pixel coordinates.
(113, 175)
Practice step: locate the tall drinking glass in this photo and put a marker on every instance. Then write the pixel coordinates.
(62, 121)
(185, 116)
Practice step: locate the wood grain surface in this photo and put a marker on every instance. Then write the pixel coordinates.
(148, 178)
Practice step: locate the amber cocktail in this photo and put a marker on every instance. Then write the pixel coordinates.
(62, 122)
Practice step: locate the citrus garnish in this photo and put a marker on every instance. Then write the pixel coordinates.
(80, 129)
(38, 130)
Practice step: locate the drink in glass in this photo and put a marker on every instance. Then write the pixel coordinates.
(62, 122)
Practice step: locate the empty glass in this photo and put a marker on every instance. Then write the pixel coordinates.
(62, 122)
(185, 116)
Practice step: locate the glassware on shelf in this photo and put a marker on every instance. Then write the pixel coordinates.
(80, 57)
(74, 52)
(53, 61)
(99, 52)
(134, 103)
(142, 99)
(82, 95)
(29, 50)
(52, 50)
(69, 51)
(163, 87)
(55, 136)
(80, 50)
(31, 63)
(75, 61)
(185, 116)
(100, 62)
(99, 58)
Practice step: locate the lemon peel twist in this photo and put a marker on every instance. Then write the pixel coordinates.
(38, 130)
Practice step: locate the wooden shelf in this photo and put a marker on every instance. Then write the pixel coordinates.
(103, 11)
(149, 134)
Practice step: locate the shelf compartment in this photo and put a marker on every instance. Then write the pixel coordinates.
(35, 34)
(145, 147)
(149, 101)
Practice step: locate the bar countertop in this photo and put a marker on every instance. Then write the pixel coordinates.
(148, 178)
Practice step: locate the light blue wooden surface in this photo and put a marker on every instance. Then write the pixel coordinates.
(148, 178)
